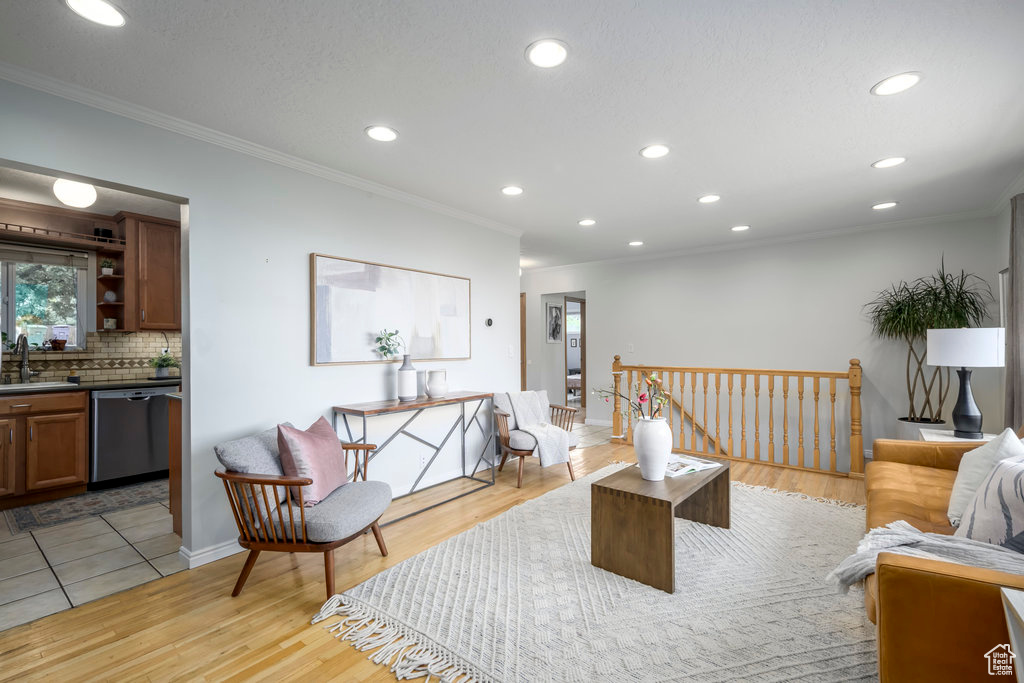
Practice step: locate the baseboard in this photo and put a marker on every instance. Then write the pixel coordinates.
(598, 423)
(197, 558)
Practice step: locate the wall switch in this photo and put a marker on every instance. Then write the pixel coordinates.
(629, 348)
(529, 362)
(511, 351)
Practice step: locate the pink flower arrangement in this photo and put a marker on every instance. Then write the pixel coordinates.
(647, 403)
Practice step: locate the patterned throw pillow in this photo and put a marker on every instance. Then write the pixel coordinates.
(975, 466)
(996, 515)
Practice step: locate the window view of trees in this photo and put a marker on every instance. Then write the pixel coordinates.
(45, 296)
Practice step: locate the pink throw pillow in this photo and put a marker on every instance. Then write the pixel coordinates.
(315, 453)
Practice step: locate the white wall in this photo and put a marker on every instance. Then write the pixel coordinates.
(252, 226)
(785, 306)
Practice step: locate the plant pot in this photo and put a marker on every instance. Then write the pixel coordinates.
(107, 271)
(407, 384)
(437, 383)
(910, 430)
(652, 441)
(162, 372)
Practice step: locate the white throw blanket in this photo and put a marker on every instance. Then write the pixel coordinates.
(902, 538)
(552, 441)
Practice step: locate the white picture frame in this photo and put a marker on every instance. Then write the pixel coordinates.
(554, 323)
(352, 301)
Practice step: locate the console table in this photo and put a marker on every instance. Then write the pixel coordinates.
(362, 411)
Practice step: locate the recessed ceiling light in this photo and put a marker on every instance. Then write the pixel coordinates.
(896, 84)
(883, 205)
(382, 133)
(78, 195)
(99, 11)
(654, 151)
(587, 222)
(740, 228)
(636, 244)
(888, 163)
(512, 190)
(547, 53)
(709, 199)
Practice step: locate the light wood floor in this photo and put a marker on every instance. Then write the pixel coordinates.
(187, 626)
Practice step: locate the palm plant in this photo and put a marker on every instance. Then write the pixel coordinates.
(906, 311)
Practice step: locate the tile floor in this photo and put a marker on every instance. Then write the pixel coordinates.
(59, 567)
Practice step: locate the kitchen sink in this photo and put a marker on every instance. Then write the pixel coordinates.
(34, 386)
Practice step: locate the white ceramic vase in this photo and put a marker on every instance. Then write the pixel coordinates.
(437, 383)
(652, 441)
(407, 384)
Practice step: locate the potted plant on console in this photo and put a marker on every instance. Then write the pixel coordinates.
(905, 312)
(388, 345)
(652, 437)
(163, 363)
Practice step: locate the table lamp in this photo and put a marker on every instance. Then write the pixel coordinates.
(979, 347)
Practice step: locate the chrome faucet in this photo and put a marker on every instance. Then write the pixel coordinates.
(21, 346)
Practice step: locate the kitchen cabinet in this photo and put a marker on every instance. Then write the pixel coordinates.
(152, 267)
(44, 449)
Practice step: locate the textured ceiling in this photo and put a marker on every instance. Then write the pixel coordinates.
(766, 104)
(37, 188)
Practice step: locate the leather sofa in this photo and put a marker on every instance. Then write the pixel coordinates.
(936, 620)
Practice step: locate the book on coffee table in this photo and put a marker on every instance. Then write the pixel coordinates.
(678, 465)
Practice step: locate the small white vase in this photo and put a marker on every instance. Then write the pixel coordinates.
(437, 383)
(162, 372)
(652, 441)
(407, 384)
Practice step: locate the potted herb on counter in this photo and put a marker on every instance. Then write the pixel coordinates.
(163, 363)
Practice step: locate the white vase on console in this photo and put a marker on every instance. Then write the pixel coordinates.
(652, 441)
(437, 383)
(407, 382)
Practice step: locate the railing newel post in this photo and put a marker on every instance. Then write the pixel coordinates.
(856, 428)
(617, 402)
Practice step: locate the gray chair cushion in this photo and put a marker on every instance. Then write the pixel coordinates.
(524, 441)
(348, 510)
(256, 454)
(502, 403)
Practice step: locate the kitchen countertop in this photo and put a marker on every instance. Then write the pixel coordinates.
(96, 386)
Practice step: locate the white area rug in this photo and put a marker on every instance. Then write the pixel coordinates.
(516, 599)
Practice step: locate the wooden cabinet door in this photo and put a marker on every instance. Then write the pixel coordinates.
(159, 276)
(56, 452)
(7, 456)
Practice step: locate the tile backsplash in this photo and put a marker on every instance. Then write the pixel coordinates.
(108, 356)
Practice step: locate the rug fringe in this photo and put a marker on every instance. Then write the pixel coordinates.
(802, 496)
(407, 652)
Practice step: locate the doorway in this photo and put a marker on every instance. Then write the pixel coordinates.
(522, 341)
(575, 353)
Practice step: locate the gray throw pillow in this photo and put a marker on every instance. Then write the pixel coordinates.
(996, 515)
(975, 466)
(256, 454)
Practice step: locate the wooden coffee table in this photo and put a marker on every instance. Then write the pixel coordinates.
(631, 521)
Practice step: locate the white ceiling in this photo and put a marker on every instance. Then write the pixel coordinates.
(765, 103)
(38, 188)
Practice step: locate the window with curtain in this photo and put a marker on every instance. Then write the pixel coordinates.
(44, 295)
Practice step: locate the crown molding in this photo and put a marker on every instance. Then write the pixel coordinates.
(774, 241)
(1015, 188)
(113, 105)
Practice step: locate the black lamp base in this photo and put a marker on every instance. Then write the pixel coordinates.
(966, 415)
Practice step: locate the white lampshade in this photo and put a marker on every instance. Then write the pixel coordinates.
(967, 347)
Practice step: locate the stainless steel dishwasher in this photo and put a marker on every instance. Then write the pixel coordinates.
(129, 435)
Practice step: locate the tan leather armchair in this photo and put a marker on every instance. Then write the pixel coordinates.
(936, 620)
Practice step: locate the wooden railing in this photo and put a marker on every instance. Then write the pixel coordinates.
(755, 415)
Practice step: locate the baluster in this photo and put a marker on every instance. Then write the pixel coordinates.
(629, 409)
(616, 400)
(671, 406)
(718, 412)
(817, 425)
(743, 414)
(757, 417)
(785, 419)
(771, 418)
(800, 396)
(704, 425)
(729, 452)
(682, 411)
(693, 411)
(832, 424)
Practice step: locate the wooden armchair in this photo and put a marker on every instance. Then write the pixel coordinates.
(270, 514)
(561, 416)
